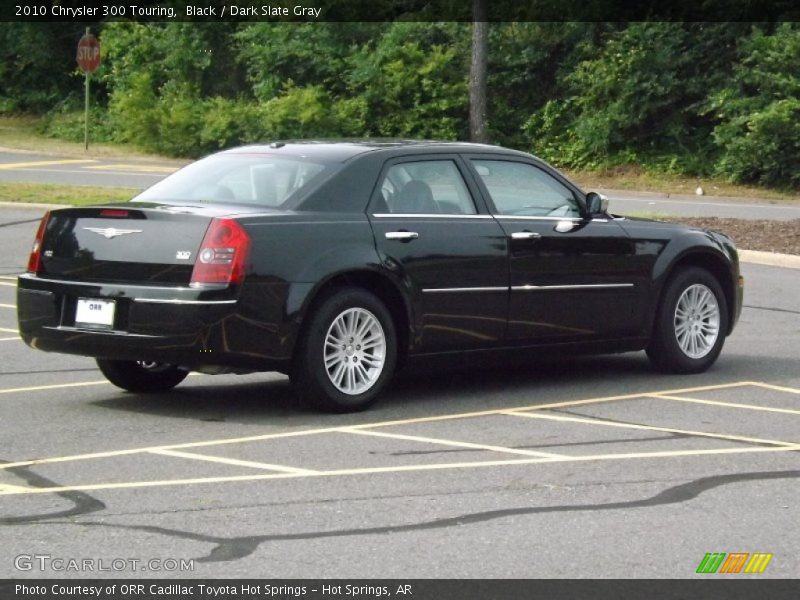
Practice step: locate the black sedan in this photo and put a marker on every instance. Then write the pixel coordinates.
(335, 262)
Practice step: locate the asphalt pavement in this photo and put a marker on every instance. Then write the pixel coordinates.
(593, 467)
(140, 174)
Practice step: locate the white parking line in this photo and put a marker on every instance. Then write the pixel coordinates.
(9, 339)
(777, 388)
(7, 330)
(457, 444)
(787, 411)
(719, 436)
(55, 386)
(8, 306)
(232, 461)
(6, 283)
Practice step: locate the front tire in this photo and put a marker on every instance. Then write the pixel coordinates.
(141, 376)
(347, 353)
(691, 323)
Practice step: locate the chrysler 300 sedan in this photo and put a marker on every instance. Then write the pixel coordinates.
(335, 262)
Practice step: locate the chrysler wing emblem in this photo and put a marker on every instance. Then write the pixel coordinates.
(111, 232)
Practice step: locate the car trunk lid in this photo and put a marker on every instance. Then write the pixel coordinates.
(125, 243)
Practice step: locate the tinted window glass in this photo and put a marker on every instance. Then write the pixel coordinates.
(265, 180)
(425, 187)
(525, 190)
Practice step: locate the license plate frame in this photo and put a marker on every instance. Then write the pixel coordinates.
(95, 313)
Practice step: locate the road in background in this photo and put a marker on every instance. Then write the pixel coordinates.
(116, 172)
(139, 174)
(624, 203)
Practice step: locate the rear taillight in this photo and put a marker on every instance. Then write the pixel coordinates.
(222, 255)
(35, 259)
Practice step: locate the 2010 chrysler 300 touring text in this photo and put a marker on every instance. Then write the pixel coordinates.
(333, 262)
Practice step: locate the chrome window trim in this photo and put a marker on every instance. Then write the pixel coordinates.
(528, 218)
(428, 216)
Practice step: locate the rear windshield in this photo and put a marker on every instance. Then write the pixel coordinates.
(269, 181)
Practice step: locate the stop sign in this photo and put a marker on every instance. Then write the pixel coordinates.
(88, 53)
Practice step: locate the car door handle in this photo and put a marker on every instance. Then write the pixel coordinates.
(401, 236)
(525, 235)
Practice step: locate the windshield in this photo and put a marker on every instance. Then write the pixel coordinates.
(260, 179)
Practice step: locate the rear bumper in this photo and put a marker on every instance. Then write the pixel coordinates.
(179, 325)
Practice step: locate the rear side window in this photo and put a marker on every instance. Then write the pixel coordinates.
(265, 180)
(425, 187)
(525, 190)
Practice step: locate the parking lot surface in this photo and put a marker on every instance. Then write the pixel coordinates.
(591, 467)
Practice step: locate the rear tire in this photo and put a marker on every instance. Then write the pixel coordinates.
(346, 354)
(141, 376)
(691, 323)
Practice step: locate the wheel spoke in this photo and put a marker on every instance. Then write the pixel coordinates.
(366, 323)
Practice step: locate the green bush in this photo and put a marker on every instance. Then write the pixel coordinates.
(759, 111)
(762, 146)
(67, 123)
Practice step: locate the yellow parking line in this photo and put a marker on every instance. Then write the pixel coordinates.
(719, 436)
(15, 489)
(428, 440)
(136, 168)
(8, 284)
(788, 411)
(779, 388)
(110, 453)
(304, 432)
(41, 163)
(7, 330)
(8, 306)
(397, 469)
(231, 461)
(499, 411)
(12, 278)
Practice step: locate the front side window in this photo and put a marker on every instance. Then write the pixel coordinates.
(521, 189)
(424, 187)
(265, 180)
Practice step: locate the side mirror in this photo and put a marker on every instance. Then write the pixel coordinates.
(596, 204)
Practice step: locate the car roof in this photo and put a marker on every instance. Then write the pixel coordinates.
(345, 149)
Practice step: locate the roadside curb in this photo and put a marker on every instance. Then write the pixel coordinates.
(772, 259)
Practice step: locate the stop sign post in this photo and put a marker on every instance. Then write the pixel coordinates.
(88, 58)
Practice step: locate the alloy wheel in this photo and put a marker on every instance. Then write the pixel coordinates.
(354, 352)
(697, 320)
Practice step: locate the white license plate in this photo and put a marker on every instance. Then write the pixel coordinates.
(94, 313)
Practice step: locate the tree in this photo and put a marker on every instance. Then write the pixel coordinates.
(478, 129)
